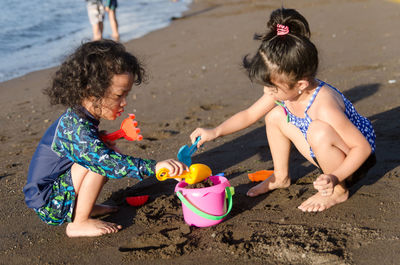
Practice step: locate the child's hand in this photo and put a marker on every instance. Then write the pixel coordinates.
(205, 134)
(325, 184)
(175, 168)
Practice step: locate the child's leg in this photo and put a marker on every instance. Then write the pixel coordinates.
(114, 24)
(98, 209)
(280, 135)
(330, 151)
(97, 31)
(96, 15)
(88, 185)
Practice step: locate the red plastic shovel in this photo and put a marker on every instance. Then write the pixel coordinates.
(128, 130)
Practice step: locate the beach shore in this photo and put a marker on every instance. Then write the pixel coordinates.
(196, 80)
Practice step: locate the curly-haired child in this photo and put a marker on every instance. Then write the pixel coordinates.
(71, 163)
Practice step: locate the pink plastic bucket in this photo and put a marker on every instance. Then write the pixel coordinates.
(206, 206)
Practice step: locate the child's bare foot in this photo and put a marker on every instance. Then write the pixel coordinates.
(270, 183)
(102, 209)
(91, 228)
(319, 203)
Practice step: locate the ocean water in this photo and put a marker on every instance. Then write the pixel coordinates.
(37, 34)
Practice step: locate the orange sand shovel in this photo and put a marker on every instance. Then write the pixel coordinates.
(260, 175)
(128, 130)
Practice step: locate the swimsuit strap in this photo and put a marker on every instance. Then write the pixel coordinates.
(314, 95)
(334, 88)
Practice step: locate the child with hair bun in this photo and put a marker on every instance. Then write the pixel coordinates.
(71, 163)
(301, 110)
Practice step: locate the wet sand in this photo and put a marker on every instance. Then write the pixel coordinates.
(195, 80)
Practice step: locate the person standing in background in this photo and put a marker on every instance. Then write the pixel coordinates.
(111, 8)
(95, 10)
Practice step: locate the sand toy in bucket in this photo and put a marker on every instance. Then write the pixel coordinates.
(128, 130)
(208, 206)
(196, 174)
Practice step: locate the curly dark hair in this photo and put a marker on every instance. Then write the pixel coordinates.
(292, 54)
(89, 70)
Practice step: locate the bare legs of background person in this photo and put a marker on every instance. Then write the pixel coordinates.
(98, 31)
(114, 24)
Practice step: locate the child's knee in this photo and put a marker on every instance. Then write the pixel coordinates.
(276, 114)
(318, 133)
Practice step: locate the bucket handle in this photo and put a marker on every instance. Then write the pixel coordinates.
(228, 191)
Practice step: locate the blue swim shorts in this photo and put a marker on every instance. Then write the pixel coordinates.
(61, 204)
(111, 4)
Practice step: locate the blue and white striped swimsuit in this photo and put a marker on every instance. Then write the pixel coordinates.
(362, 123)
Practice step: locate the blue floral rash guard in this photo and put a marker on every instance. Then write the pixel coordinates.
(74, 138)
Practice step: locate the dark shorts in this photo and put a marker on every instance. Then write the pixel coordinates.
(111, 4)
(61, 203)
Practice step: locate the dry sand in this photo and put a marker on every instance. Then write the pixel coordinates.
(196, 80)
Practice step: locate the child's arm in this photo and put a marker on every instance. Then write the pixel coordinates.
(110, 144)
(80, 143)
(237, 122)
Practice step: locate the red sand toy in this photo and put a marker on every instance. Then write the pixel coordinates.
(128, 130)
(260, 175)
(137, 200)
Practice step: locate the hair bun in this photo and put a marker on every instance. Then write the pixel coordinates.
(296, 23)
